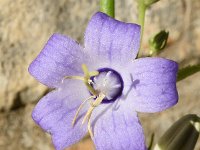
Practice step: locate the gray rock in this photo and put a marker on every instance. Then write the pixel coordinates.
(18, 131)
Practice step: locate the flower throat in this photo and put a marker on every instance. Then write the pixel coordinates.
(104, 85)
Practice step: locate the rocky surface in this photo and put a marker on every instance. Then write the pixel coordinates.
(26, 25)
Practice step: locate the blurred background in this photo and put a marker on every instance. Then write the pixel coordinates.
(25, 26)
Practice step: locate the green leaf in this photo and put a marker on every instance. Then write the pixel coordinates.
(108, 7)
(187, 71)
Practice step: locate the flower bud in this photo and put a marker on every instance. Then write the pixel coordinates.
(158, 42)
(182, 135)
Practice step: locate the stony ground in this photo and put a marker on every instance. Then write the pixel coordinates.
(26, 25)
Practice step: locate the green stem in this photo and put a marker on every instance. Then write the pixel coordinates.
(108, 7)
(141, 18)
(187, 71)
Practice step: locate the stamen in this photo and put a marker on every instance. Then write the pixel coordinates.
(90, 128)
(74, 77)
(90, 81)
(80, 107)
(99, 99)
(86, 78)
(85, 71)
(89, 112)
(96, 103)
(93, 73)
(90, 88)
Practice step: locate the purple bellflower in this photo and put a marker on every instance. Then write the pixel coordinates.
(99, 88)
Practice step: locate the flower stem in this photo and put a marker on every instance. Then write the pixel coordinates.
(108, 7)
(141, 18)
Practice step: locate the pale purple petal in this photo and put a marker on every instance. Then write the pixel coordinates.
(153, 85)
(112, 40)
(61, 56)
(118, 129)
(55, 111)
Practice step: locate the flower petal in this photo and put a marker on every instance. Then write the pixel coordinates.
(61, 56)
(112, 40)
(153, 86)
(118, 129)
(54, 114)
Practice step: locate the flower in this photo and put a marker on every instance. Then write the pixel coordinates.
(102, 85)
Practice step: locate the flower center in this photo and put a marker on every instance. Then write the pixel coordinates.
(109, 82)
(105, 85)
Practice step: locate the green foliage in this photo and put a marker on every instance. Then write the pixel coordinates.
(187, 71)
